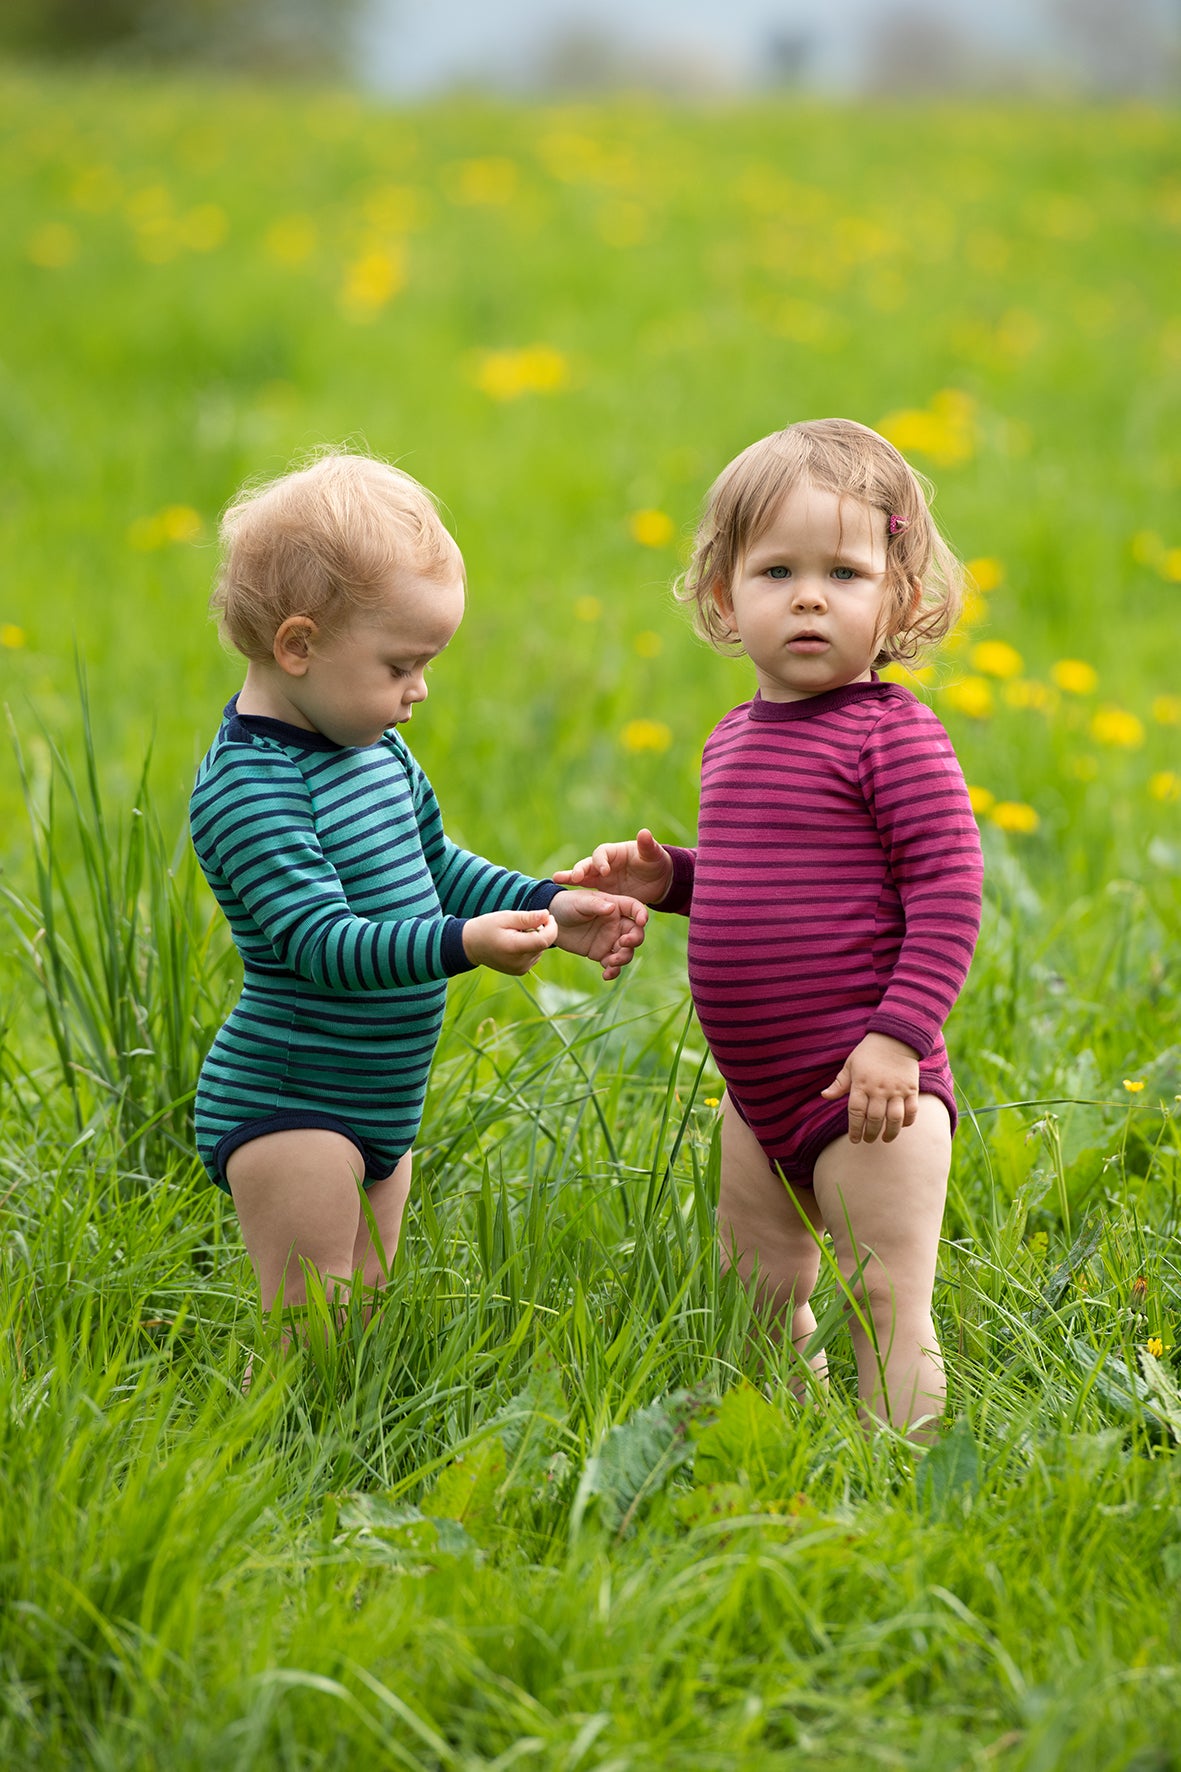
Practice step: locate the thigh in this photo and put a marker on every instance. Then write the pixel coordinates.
(297, 1199)
(760, 1216)
(386, 1200)
(886, 1200)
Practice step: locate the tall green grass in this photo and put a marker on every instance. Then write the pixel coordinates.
(557, 1503)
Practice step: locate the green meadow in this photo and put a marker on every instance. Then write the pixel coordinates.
(556, 1506)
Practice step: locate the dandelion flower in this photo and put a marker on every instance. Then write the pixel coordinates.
(371, 281)
(981, 799)
(1133, 1085)
(712, 1101)
(1165, 785)
(971, 696)
(588, 609)
(652, 529)
(1171, 565)
(1115, 726)
(646, 735)
(1015, 816)
(1154, 1346)
(986, 573)
(1075, 676)
(996, 658)
(12, 638)
(535, 369)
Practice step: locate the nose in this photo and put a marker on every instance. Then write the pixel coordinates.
(808, 593)
(416, 689)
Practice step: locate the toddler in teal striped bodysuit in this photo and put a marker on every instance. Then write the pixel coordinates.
(323, 843)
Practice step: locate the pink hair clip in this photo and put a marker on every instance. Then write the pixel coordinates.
(898, 524)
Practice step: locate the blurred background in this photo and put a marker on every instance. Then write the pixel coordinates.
(414, 48)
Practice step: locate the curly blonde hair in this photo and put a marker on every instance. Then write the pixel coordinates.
(325, 540)
(840, 456)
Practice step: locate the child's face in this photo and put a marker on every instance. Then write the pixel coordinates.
(808, 601)
(352, 685)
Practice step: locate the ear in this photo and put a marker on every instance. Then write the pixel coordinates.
(292, 645)
(719, 592)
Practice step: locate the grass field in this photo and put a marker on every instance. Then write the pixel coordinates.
(546, 1511)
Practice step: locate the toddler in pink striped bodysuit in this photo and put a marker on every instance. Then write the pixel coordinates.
(834, 893)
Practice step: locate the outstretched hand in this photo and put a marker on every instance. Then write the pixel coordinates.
(599, 926)
(642, 869)
(881, 1079)
(508, 941)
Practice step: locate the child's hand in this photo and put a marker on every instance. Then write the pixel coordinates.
(881, 1079)
(642, 869)
(508, 941)
(599, 927)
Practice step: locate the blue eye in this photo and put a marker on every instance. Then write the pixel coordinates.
(778, 572)
(844, 573)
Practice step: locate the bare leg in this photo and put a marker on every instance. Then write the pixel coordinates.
(763, 1224)
(883, 1208)
(297, 1199)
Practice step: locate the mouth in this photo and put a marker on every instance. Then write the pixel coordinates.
(807, 642)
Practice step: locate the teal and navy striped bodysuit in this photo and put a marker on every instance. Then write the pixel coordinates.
(346, 902)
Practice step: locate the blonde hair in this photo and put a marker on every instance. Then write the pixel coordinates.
(323, 541)
(840, 456)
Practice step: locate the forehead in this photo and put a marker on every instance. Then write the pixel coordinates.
(417, 614)
(813, 515)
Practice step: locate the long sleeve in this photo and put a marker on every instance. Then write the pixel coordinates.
(679, 897)
(255, 833)
(915, 789)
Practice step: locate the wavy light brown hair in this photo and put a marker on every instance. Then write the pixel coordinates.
(326, 540)
(840, 456)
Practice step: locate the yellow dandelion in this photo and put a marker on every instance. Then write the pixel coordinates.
(971, 696)
(648, 644)
(536, 369)
(1115, 726)
(973, 609)
(1170, 566)
(1165, 785)
(986, 573)
(12, 638)
(996, 658)
(588, 609)
(652, 529)
(1154, 1346)
(1074, 676)
(291, 240)
(981, 799)
(1166, 710)
(944, 431)
(646, 735)
(53, 246)
(180, 523)
(371, 281)
(1014, 816)
(712, 1101)
(1133, 1085)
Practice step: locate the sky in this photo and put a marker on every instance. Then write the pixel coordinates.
(418, 46)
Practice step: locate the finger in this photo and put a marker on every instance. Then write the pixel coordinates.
(857, 1107)
(912, 1110)
(894, 1119)
(839, 1085)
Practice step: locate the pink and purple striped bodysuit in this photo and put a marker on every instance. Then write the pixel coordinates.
(834, 892)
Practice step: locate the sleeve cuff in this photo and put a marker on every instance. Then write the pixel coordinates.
(898, 1028)
(679, 896)
(452, 951)
(542, 896)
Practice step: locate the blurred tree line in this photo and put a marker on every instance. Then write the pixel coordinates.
(282, 38)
